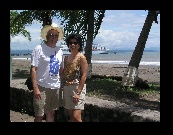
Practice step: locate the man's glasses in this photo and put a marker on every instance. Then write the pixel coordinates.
(52, 35)
(75, 43)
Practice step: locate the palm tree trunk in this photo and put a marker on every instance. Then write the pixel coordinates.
(10, 66)
(10, 62)
(89, 41)
(131, 74)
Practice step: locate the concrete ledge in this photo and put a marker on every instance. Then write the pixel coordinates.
(124, 111)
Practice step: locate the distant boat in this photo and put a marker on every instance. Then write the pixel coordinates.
(96, 49)
(104, 52)
(65, 49)
(99, 49)
(115, 52)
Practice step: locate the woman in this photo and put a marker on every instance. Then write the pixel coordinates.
(74, 75)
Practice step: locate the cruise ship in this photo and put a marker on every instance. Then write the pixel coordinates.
(99, 49)
(65, 49)
(96, 49)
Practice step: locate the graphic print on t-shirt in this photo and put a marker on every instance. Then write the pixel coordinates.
(54, 65)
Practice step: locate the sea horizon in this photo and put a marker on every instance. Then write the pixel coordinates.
(120, 57)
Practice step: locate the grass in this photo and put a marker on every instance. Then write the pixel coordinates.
(112, 90)
(113, 87)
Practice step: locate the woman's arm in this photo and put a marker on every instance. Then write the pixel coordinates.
(84, 72)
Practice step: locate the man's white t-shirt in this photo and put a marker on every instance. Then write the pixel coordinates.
(48, 62)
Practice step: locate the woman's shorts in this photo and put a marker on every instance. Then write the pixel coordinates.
(68, 93)
(49, 101)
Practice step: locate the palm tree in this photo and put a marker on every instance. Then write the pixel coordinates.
(131, 74)
(94, 21)
(89, 41)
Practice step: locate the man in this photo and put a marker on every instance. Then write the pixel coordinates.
(46, 67)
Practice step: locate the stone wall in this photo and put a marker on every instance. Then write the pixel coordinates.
(96, 110)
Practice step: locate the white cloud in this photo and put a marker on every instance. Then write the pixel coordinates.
(119, 29)
(19, 39)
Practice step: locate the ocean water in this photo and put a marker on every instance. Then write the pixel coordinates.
(120, 57)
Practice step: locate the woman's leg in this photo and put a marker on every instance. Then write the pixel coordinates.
(50, 116)
(75, 115)
(38, 118)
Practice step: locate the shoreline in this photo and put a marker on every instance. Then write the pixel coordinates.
(150, 63)
(151, 73)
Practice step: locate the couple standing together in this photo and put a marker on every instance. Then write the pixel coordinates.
(51, 72)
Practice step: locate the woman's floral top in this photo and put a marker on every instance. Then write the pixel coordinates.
(72, 71)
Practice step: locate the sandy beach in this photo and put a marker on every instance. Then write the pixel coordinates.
(146, 72)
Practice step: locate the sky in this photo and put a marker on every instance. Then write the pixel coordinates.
(120, 29)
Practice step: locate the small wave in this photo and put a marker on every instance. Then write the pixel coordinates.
(126, 62)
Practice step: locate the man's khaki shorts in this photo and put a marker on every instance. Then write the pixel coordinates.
(49, 101)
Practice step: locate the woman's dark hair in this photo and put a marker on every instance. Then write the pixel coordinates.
(78, 39)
